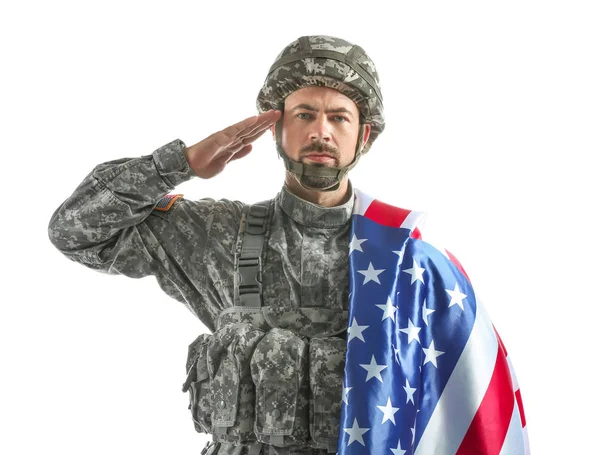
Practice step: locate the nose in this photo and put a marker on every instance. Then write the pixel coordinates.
(320, 129)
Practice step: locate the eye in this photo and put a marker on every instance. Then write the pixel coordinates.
(303, 115)
(339, 118)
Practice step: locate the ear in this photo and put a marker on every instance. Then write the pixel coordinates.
(367, 133)
(273, 130)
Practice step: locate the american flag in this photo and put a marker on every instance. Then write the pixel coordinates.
(426, 372)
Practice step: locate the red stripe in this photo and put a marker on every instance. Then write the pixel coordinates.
(490, 424)
(416, 234)
(518, 391)
(386, 214)
(500, 342)
(521, 409)
(457, 264)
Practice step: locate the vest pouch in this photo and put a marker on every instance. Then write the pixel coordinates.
(326, 373)
(232, 391)
(197, 384)
(280, 375)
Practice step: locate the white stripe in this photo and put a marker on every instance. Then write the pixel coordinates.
(413, 220)
(362, 202)
(526, 441)
(513, 376)
(464, 391)
(514, 444)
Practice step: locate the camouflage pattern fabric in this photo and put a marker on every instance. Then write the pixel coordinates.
(231, 390)
(281, 379)
(326, 372)
(198, 384)
(109, 224)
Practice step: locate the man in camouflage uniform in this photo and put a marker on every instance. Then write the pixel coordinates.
(268, 379)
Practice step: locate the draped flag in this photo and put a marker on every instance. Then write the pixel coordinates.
(426, 373)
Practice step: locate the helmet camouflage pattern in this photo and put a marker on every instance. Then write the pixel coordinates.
(329, 62)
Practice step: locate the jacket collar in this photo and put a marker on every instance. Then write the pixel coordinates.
(313, 215)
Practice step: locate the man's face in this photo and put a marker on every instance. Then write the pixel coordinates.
(320, 128)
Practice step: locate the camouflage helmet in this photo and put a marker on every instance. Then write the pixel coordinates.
(329, 62)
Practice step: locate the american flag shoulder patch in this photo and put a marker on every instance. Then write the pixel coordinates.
(167, 202)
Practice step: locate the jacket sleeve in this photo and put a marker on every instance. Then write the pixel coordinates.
(109, 224)
(98, 221)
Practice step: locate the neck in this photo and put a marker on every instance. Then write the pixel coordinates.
(322, 198)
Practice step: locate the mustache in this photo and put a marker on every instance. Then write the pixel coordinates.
(321, 147)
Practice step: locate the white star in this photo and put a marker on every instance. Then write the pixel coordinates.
(388, 310)
(388, 412)
(415, 272)
(398, 450)
(400, 254)
(412, 331)
(456, 297)
(345, 394)
(356, 433)
(414, 433)
(431, 354)
(371, 274)
(356, 330)
(373, 370)
(426, 312)
(355, 244)
(410, 391)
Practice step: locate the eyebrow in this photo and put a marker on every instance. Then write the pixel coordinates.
(337, 110)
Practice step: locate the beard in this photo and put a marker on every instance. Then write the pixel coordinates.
(314, 182)
(317, 183)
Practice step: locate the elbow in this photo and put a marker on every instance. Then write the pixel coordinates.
(55, 233)
(60, 241)
(61, 233)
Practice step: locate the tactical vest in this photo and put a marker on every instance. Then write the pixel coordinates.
(267, 375)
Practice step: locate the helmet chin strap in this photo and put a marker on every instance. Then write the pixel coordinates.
(300, 169)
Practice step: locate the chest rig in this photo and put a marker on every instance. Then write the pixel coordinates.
(259, 378)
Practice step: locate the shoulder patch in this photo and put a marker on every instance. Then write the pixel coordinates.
(167, 202)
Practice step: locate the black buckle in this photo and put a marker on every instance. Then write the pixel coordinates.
(257, 220)
(249, 270)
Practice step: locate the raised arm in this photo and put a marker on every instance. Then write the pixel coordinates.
(121, 194)
(111, 222)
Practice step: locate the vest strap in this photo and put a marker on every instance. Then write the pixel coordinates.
(248, 266)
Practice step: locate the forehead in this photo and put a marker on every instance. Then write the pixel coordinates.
(320, 97)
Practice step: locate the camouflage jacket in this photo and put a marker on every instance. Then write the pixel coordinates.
(113, 223)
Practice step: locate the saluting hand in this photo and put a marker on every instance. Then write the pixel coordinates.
(209, 157)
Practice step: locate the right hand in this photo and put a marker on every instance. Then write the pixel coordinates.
(209, 157)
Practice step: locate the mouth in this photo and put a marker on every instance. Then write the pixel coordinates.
(320, 157)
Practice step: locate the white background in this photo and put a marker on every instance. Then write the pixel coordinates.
(492, 128)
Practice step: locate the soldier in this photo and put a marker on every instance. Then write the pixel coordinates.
(270, 281)
(322, 101)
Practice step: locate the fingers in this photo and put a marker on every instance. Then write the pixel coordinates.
(243, 145)
(259, 128)
(234, 130)
(253, 133)
(241, 154)
(229, 143)
(252, 125)
(255, 136)
(238, 145)
(263, 123)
